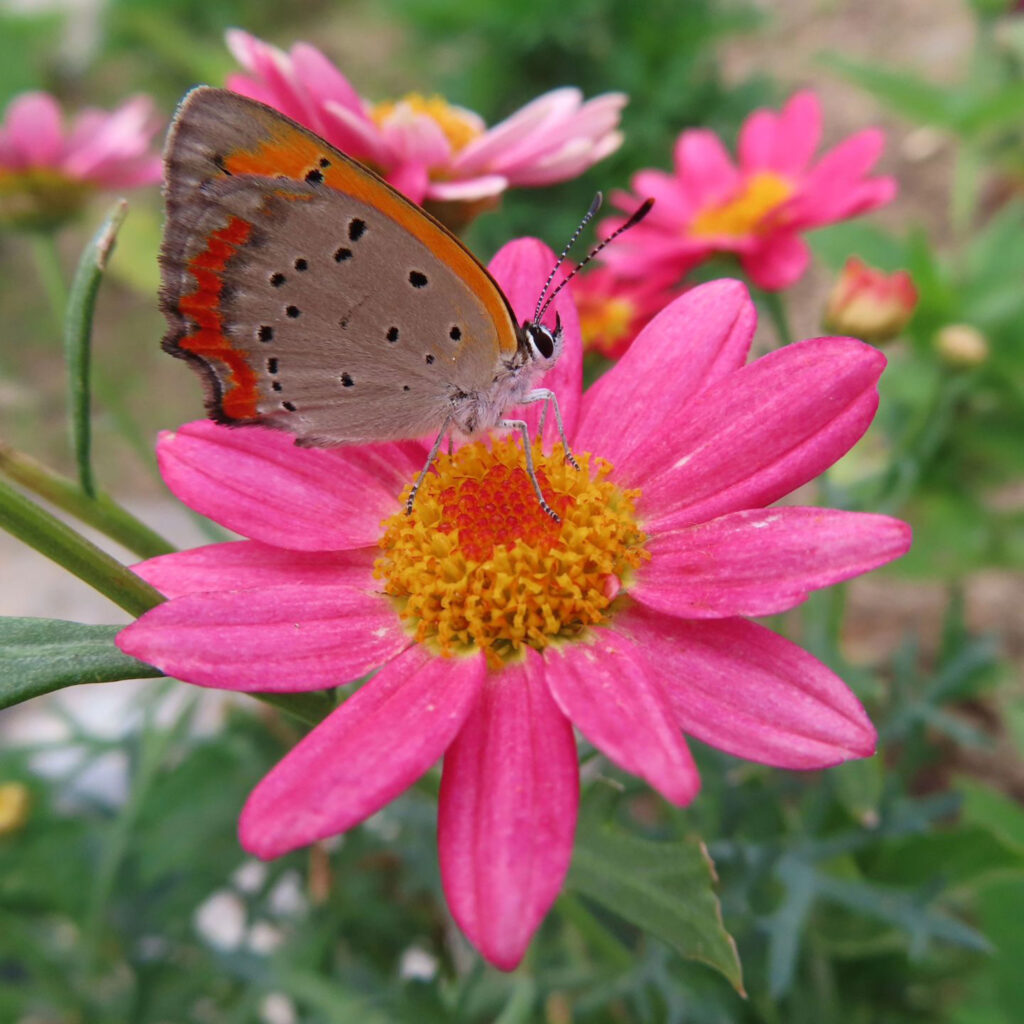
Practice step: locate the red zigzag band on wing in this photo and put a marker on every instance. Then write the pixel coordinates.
(202, 306)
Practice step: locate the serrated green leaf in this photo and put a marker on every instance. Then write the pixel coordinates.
(663, 888)
(42, 655)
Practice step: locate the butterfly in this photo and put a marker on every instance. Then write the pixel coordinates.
(312, 297)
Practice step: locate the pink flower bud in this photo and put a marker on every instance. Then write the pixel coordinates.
(870, 304)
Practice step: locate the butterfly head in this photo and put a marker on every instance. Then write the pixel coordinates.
(540, 346)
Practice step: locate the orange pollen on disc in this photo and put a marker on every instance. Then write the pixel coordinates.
(479, 565)
(745, 212)
(458, 126)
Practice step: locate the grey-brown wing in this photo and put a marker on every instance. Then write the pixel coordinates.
(311, 310)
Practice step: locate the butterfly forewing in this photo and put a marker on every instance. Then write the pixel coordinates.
(312, 296)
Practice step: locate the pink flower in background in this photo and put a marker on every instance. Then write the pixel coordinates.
(757, 207)
(426, 148)
(499, 633)
(47, 169)
(613, 310)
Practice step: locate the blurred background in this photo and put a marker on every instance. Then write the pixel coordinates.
(889, 890)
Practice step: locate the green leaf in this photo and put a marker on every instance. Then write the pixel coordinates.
(78, 339)
(989, 808)
(912, 97)
(859, 788)
(42, 655)
(663, 888)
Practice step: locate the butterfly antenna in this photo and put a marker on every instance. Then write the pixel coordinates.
(587, 218)
(637, 216)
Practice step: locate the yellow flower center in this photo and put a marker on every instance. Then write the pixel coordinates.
(459, 128)
(604, 322)
(479, 564)
(746, 212)
(40, 198)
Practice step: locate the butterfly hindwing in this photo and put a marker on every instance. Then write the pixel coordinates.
(321, 303)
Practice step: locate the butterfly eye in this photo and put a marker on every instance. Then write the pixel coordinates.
(541, 341)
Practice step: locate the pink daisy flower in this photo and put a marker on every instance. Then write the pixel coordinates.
(433, 152)
(613, 310)
(499, 630)
(48, 170)
(757, 207)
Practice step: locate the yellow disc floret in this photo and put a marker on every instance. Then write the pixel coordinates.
(479, 564)
(747, 212)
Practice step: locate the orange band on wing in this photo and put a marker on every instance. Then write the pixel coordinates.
(208, 341)
(299, 154)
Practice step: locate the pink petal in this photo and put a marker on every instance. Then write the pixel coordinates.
(739, 687)
(762, 561)
(778, 262)
(415, 138)
(112, 149)
(508, 812)
(783, 142)
(247, 564)
(257, 482)
(376, 745)
(703, 166)
(614, 697)
(322, 80)
(276, 639)
(757, 434)
(646, 253)
(34, 131)
(274, 70)
(412, 180)
(694, 341)
(483, 187)
(565, 161)
(851, 159)
(502, 144)
(799, 133)
(354, 134)
(671, 205)
(521, 268)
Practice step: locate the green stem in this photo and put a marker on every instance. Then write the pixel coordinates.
(44, 249)
(32, 524)
(772, 302)
(100, 512)
(921, 446)
(78, 340)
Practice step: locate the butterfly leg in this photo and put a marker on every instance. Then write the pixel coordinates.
(549, 397)
(523, 429)
(434, 449)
